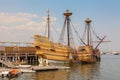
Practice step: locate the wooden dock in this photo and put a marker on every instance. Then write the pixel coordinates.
(48, 68)
(4, 71)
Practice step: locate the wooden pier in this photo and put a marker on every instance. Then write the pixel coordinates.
(48, 68)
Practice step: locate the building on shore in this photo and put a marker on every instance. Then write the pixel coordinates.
(18, 52)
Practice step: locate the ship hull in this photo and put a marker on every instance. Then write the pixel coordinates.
(62, 54)
(78, 57)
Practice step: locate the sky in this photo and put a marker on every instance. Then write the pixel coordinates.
(21, 19)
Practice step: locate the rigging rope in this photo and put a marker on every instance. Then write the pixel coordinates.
(62, 33)
(71, 37)
(78, 34)
(45, 30)
(95, 34)
(83, 37)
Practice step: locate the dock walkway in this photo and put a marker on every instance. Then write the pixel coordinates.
(47, 68)
(34, 69)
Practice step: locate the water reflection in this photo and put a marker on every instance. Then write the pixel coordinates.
(52, 75)
(76, 72)
(84, 72)
(107, 69)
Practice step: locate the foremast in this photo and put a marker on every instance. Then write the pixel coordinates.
(48, 22)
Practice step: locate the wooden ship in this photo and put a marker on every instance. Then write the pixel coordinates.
(48, 50)
(88, 51)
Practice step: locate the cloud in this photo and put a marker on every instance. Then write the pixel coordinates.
(34, 26)
(6, 18)
(22, 23)
(28, 15)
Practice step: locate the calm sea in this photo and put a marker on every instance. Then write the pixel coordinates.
(107, 69)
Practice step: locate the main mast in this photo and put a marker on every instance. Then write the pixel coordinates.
(67, 20)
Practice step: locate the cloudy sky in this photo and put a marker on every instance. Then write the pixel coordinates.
(21, 19)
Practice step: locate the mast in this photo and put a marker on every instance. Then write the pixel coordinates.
(88, 21)
(48, 22)
(67, 20)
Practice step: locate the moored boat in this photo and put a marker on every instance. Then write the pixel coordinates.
(24, 66)
(13, 73)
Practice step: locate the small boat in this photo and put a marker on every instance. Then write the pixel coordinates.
(27, 70)
(13, 73)
(115, 53)
(4, 73)
(24, 66)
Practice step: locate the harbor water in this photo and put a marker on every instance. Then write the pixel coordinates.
(107, 69)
